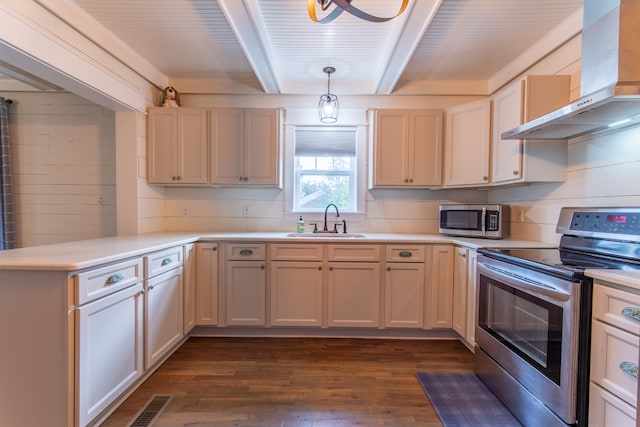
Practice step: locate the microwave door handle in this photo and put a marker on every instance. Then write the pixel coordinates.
(484, 220)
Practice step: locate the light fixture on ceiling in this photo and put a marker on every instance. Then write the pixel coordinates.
(345, 6)
(328, 108)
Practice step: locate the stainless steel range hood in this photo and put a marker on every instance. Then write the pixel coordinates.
(609, 77)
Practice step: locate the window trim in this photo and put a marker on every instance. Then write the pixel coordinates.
(309, 117)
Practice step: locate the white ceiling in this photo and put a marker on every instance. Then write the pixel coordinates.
(273, 46)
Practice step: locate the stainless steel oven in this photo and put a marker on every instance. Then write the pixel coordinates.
(533, 324)
(528, 325)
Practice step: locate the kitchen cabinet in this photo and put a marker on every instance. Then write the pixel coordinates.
(297, 275)
(177, 146)
(245, 284)
(460, 291)
(614, 355)
(472, 291)
(207, 283)
(524, 161)
(109, 344)
(404, 287)
(439, 289)
(245, 147)
(164, 304)
(353, 286)
(407, 148)
(189, 282)
(468, 144)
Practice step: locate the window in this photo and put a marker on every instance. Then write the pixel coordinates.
(325, 169)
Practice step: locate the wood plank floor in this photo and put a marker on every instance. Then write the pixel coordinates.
(297, 382)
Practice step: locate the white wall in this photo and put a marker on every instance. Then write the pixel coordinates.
(63, 157)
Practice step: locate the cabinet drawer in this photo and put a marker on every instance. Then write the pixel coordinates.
(605, 409)
(99, 282)
(613, 350)
(296, 252)
(347, 252)
(405, 253)
(246, 251)
(161, 261)
(616, 307)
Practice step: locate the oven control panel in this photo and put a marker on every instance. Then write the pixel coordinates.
(605, 221)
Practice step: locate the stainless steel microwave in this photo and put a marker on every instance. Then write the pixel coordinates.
(487, 221)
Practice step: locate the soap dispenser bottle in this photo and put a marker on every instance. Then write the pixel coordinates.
(300, 225)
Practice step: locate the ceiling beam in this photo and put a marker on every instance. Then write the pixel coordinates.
(244, 18)
(418, 19)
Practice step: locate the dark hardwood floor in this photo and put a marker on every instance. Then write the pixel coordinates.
(308, 382)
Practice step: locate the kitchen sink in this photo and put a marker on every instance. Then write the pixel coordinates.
(328, 235)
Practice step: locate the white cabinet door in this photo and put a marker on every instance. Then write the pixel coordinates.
(404, 295)
(472, 285)
(163, 314)
(354, 294)
(460, 291)
(207, 283)
(189, 283)
(439, 295)
(246, 293)
(468, 144)
(177, 144)
(109, 350)
(407, 148)
(245, 147)
(528, 160)
(296, 293)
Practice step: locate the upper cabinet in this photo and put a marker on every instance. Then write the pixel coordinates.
(407, 149)
(177, 146)
(467, 144)
(238, 146)
(245, 147)
(520, 161)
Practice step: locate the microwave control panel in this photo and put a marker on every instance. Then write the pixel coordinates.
(493, 221)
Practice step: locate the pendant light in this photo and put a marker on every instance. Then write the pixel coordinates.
(328, 105)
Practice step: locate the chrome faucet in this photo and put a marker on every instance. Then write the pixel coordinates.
(325, 229)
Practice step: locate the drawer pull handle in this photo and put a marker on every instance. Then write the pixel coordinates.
(114, 278)
(246, 252)
(630, 368)
(166, 261)
(632, 313)
(405, 254)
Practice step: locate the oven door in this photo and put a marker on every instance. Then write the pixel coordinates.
(528, 323)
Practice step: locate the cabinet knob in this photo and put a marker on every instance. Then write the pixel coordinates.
(406, 180)
(331, 268)
(262, 267)
(388, 268)
(320, 268)
(174, 178)
(215, 248)
(405, 254)
(166, 261)
(150, 287)
(516, 173)
(410, 180)
(141, 291)
(485, 178)
(179, 177)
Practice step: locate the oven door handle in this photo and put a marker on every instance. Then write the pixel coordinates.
(523, 283)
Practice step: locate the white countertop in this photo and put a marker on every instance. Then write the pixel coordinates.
(84, 254)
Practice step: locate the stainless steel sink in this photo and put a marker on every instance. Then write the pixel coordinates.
(328, 235)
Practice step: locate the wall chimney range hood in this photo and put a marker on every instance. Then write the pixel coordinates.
(609, 76)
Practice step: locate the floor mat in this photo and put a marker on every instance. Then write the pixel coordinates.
(463, 400)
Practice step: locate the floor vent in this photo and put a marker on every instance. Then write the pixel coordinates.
(151, 411)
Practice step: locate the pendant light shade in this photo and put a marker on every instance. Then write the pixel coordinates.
(328, 107)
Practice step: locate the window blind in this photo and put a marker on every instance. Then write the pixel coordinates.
(325, 141)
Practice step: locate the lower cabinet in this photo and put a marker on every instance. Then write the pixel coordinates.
(109, 350)
(404, 287)
(354, 294)
(460, 291)
(296, 293)
(206, 305)
(438, 311)
(245, 284)
(163, 314)
(472, 290)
